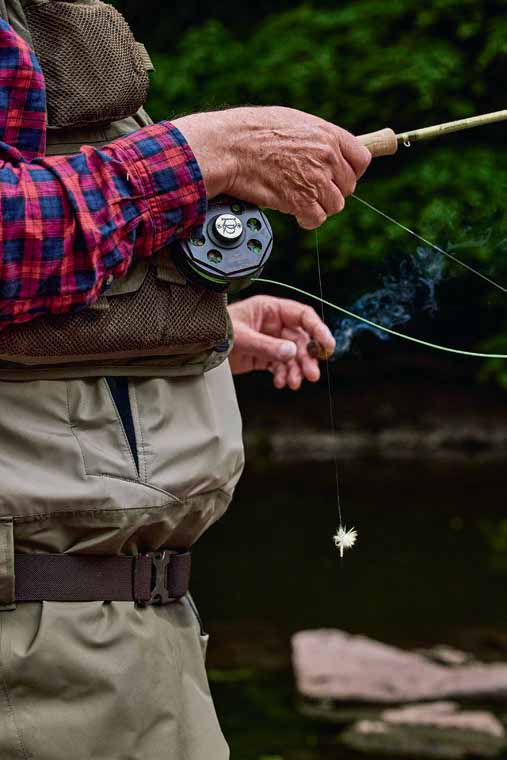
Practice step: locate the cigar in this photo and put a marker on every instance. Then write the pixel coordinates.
(317, 351)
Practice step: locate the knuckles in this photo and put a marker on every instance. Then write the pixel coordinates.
(312, 164)
(327, 154)
(312, 220)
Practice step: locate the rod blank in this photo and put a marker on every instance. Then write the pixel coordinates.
(385, 142)
(429, 133)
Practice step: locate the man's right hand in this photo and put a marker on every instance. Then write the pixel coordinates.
(277, 158)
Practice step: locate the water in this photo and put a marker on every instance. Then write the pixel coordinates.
(426, 569)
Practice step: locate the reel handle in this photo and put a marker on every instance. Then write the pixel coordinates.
(384, 142)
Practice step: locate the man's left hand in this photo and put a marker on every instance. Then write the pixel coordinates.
(272, 334)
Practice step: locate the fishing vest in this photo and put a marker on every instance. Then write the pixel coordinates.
(152, 322)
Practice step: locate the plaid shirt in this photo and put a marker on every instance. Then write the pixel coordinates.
(70, 224)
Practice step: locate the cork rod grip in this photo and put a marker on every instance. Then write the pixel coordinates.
(381, 143)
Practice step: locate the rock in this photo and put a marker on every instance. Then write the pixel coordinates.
(446, 655)
(334, 666)
(444, 714)
(436, 730)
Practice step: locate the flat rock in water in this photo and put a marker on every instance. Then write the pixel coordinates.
(434, 730)
(331, 665)
(449, 656)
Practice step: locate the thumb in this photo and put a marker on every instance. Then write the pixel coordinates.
(265, 347)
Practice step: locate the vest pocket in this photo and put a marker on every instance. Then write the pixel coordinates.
(144, 318)
(95, 71)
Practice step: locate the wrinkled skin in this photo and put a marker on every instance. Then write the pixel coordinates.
(277, 158)
(272, 334)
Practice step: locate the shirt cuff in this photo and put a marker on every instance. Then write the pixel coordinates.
(164, 173)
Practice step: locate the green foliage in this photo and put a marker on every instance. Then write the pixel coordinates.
(367, 64)
(496, 368)
(495, 533)
(364, 64)
(231, 675)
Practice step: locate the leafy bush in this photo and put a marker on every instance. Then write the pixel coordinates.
(364, 65)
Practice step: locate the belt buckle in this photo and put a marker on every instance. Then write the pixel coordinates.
(160, 564)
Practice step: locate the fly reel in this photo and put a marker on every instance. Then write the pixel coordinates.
(232, 249)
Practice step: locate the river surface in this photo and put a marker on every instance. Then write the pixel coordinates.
(429, 567)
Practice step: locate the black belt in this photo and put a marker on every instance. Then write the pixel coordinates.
(156, 578)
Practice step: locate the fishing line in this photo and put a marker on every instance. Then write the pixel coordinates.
(332, 416)
(430, 244)
(388, 330)
(346, 539)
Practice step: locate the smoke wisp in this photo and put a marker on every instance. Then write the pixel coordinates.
(412, 286)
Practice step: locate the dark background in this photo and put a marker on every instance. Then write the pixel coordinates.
(365, 64)
(422, 435)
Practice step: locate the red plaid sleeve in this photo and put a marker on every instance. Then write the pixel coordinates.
(68, 224)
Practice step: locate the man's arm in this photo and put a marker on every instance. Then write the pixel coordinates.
(69, 225)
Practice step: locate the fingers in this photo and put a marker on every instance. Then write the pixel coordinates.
(265, 348)
(313, 165)
(311, 216)
(287, 375)
(308, 365)
(342, 173)
(279, 376)
(354, 152)
(294, 315)
(302, 367)
(333, 198)
(338, 180)
(314, 215)
(294, 376)
(273, 334)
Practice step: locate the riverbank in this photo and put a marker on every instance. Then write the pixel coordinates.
(397, 407)
(420, 448)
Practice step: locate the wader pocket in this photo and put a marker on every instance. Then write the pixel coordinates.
(95, 71)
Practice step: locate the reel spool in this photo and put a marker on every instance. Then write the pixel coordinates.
(235, 243)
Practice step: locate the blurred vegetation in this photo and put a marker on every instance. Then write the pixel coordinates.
(365, 64)
(495, 533)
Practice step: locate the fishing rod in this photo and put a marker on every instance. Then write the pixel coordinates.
(236, 240)
(385, 142)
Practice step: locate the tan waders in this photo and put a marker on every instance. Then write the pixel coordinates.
(109, 680)
(97, 680)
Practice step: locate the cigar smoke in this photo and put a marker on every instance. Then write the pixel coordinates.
(411, 286)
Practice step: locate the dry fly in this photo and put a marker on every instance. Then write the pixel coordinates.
(344, 539)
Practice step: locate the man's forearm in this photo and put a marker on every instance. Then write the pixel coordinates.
(69, 225)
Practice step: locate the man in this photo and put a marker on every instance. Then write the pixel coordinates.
(108, 456)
